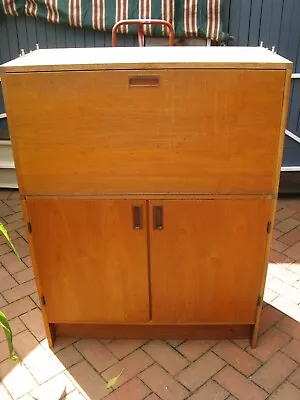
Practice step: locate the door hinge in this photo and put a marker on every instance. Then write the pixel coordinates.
(259, 299)
(269, 224)
(29, 227)
(43, 301)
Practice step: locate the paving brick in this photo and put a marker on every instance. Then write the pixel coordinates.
(54, 389)
(5, 210)
(60, 343)
(18, 307)
(4, 249)
(121, 348)
(285, 289)
(5, 193)
(15, 216)
(295, 378)
(16, 325)
(163, 384)
(284, 214)
(12, 263)
(239, 385)
(14, 195)
(12, 234)
(269, 317)
(290, 327)
(96, 354)
(269, 295)
(16, 378)
(6, 280)
(35, 297)
(287, 225)
(237, 357)
(69, 356)
(4, 352)
(46, 369)
(287, 307)
(286, 391)
(131, 365)
(292, 349)
(282, 273)
(293, 251)
(75, 395)
(193, 349)
(174, 342)
(276, 234)
(295, 268)
(13, 204)
(166, 356)
(132, 390)
(278, 245)
(3, 302)
(297, 216)
(27, 260)
(200, 371)
(269, 343)
(24, 276)
(34, 322)
(86, 379)
(242, 343)
(14, 225)
(22, 247)
(29, 349)
(274, 372)
(20, 291)
(4, 393)
(152, 397)
(210, 391)
(291, 237)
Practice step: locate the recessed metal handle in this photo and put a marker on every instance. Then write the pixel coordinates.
(144, 81)
(158, 218)
(137, 217)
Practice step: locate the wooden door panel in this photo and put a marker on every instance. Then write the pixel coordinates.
(207, 261)
(91, 261)
(198, 131)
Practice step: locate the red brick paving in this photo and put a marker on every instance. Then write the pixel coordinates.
(154, 370)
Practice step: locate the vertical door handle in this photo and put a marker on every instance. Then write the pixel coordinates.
(158, 218)
(137, 216)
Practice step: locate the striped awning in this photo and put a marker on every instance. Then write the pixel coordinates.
(190, 18)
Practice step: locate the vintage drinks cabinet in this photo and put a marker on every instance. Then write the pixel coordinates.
(149, 179)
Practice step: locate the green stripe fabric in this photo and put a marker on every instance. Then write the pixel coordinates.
(190, 18)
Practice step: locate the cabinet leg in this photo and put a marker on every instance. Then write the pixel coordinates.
(254, 336)
(51, 334)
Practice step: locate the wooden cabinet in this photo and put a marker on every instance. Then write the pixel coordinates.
(149, 180)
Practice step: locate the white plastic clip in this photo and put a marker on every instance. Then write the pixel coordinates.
(37, 46)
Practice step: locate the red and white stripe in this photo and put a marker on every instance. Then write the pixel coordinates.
(99, 15)
(190, 17)
(145, 13)
(75, 13)
(9, 7)
(52, 11)
(122, 13)
(167, 14)
(31, 8)
(213, 19)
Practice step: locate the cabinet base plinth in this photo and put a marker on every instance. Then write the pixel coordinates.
(148, 331)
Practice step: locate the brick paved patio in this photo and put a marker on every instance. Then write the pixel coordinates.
(153, 370)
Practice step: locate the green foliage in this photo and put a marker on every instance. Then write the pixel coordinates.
(3, 320)
(8, 334)
(4, 232)
(113, 381)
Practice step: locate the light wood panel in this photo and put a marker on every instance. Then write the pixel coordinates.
(92, 264)
(207, 262)
(199, 131)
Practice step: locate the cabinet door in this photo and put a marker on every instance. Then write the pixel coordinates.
(92, 259)
(207, 260)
